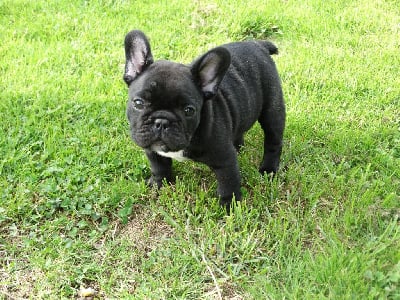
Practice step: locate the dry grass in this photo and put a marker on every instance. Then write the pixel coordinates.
(145, 229)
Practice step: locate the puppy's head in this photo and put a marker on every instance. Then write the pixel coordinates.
(166, 98)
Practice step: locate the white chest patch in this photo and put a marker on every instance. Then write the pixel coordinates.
(178, 155)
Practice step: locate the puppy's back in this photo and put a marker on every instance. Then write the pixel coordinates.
(251, 83)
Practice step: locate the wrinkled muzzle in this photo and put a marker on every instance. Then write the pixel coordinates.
(161, 131)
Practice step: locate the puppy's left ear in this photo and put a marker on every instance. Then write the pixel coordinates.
(138, 55)
(209, 70)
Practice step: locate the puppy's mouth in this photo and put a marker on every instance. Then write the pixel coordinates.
(165, 142)
(164, 146)
(161, 134)
(160, 147)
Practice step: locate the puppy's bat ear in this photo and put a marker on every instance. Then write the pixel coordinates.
(210, 69)
(138, 55)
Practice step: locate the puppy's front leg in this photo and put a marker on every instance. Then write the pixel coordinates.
(228, 178)
(161, 167)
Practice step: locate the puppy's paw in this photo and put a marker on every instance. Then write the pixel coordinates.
(269, 167)
(229, 202)
(157, 182)
(152, 182)
(226, 205)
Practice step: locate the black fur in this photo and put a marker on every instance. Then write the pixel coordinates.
(204, 109)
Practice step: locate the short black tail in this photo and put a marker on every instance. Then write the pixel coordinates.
(272, 49)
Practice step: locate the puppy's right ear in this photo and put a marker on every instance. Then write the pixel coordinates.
(138, 55)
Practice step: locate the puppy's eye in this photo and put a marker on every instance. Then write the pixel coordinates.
(138, 103)
(189, 110)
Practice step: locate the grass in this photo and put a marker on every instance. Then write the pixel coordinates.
(75, 212)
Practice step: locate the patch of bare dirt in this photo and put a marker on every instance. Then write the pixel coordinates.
(19, 283)
(226, 291)
(146, 229)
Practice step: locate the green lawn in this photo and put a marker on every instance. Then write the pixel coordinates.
(75, 212)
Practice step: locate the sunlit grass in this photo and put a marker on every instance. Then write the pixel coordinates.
(74, 209)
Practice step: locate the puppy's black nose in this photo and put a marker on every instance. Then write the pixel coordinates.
(161, 124)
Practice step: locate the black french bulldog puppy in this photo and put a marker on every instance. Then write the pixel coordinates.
(201, 111)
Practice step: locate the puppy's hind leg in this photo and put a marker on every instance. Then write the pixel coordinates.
(272, 121)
